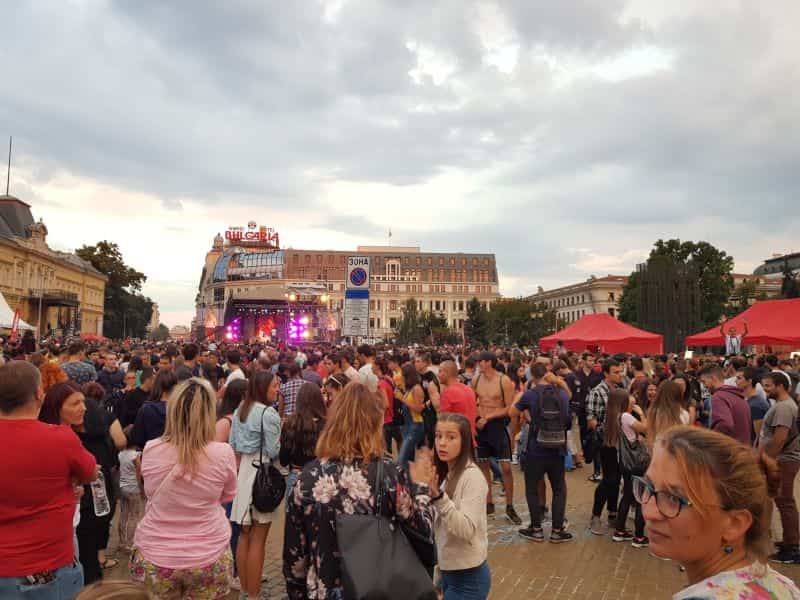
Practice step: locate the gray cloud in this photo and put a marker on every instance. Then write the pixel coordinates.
(267, 102)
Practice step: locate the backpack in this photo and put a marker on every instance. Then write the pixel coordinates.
(550, 432)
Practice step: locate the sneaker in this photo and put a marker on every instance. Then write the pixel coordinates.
(786, 557)
(595, 478)
(559, 537)
(532, 533)
(489, 508)
(642, 542)
(596, 526)
(514, 459)
(622, 536)
(512, 515)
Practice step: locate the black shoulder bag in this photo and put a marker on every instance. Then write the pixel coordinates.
(269, 486)
(378, 562)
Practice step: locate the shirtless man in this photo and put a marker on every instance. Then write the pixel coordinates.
(495, 393)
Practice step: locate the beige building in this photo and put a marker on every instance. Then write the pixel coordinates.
(180, 333)
(594, 296)
(68, 292)
(257, 279)
(155, 320)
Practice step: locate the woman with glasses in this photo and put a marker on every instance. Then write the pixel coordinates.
(705, 499)
(181, 546)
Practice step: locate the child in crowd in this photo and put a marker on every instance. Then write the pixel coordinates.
(131, 497)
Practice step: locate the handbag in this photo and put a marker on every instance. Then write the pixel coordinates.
(378, 561)
(634, 457)
(269, 486)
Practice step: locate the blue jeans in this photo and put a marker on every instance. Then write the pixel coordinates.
(66, 585)
(468, 584)
(413, 435)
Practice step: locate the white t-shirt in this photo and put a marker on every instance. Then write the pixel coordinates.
(233, 375)
(685, 416)
(627, 426)
(368, 378)
(128, 482)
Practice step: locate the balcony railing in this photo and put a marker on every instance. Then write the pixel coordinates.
(53, 296)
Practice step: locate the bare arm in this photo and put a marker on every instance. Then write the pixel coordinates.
(435, 396)
(117, 435)
(416, 400)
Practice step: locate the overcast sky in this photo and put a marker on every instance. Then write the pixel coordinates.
(565, 137)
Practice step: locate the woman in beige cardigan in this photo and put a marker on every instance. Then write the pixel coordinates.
(460, 523)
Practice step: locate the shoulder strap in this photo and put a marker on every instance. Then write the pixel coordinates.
(163, 483)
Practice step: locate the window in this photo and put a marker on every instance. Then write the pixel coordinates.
(438, 305)
(392, 304)
(611, 311)
(378, 323)
(461, 305)
(372, 323)
(611, 298)
(308, 259)
(372, 304)
(393, 322)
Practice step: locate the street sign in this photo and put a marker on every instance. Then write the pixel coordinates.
(356, 313)
(357, 272)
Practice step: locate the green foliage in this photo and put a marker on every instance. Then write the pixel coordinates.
(743, 295)
(520, 322)
(127, 312)
(476, 327)
(629, 302)
(161, 333)
(790, 286)
(420, 327)
(713, 267)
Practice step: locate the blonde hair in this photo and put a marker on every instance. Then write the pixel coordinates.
(355, 427)
(114, 590)
(719, 472)
(191, 418)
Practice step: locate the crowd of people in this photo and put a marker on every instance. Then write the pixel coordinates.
(200, 448)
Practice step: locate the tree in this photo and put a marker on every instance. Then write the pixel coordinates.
(712, 266)
(476, 327)
(408, 329)
(790, 286)
(743, 296)
(520, 321)
(127, 312)
(161, 333)
(629, 302)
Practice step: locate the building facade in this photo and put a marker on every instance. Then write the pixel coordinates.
(775, 264)
(594, 296)
(57, 292)
(255, 275)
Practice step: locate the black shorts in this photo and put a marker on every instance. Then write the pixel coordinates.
(494, 441)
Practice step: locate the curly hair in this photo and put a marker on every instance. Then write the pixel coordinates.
(51, 375)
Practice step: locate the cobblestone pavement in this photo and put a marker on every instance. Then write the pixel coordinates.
(589, 568)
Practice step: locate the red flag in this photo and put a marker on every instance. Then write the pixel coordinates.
(15, 327)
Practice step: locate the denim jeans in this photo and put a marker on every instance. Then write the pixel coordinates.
(66, 585)
(467, 584)
(235, 528)
(291, 479)
(413, 435)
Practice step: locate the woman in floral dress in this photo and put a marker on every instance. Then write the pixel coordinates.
(342, 480)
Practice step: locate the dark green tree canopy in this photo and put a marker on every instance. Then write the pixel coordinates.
(127, 312)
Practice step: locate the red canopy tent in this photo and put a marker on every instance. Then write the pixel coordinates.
(606, 333)
(769, 322)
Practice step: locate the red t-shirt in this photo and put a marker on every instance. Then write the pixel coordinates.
(460, 398)
(36, 470)
(386, 388)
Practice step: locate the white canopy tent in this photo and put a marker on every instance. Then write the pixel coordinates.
(7, 317)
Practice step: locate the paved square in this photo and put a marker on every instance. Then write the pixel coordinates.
(589, 568)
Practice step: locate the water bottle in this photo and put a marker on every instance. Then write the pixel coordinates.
(99, 496)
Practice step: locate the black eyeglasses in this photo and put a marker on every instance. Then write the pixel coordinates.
(667, 503)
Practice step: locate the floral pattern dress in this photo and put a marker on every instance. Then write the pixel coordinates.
(756, 582)
(311, 558)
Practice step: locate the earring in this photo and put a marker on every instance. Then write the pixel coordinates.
(728, 549)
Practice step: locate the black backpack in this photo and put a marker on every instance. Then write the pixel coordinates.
(550, 432)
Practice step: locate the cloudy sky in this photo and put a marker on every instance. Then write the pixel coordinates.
(565, 136)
